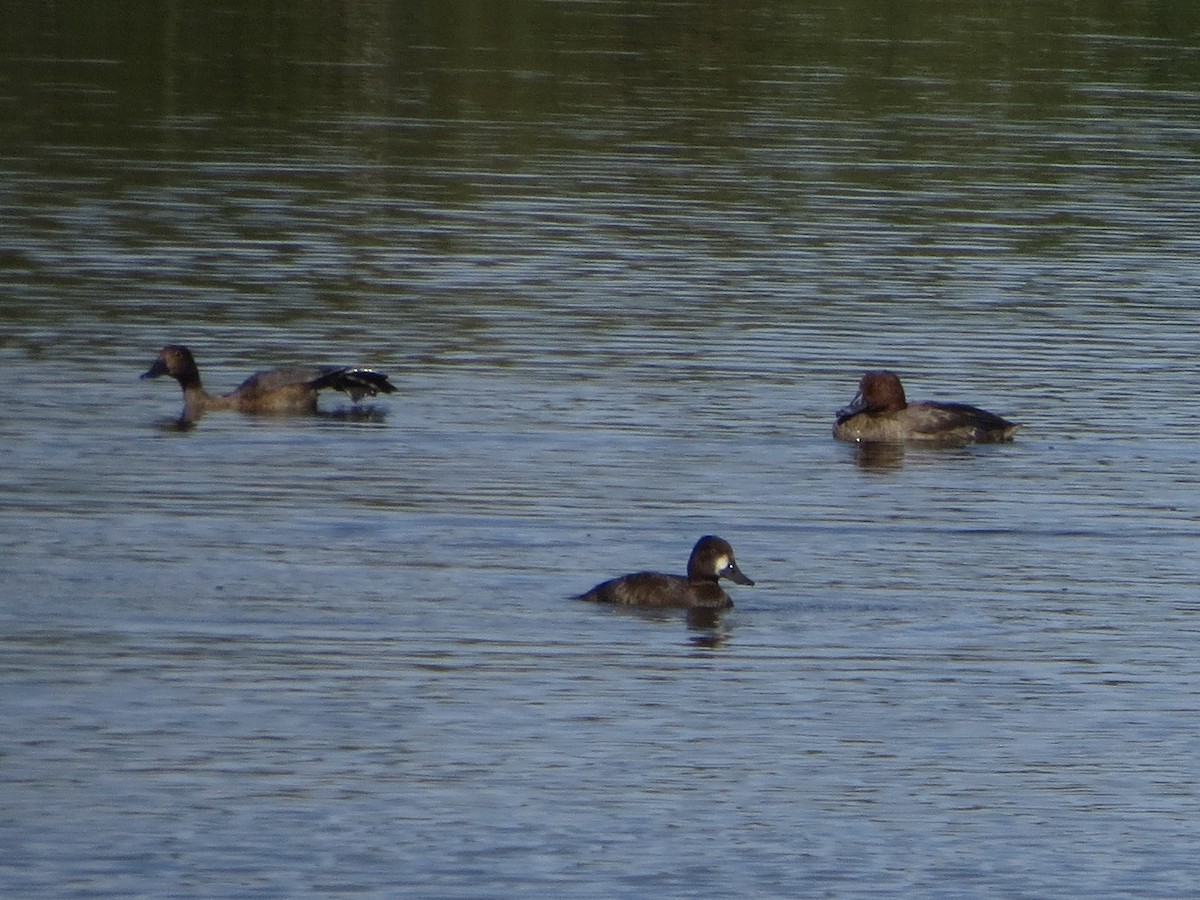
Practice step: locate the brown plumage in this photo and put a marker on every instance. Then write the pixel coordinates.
(880, 412)
(291, 390)
(711, 559)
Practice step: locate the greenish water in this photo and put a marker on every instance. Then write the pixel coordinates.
(624, 260)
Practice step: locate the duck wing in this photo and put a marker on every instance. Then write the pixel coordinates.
(356, 382)
(352, 380)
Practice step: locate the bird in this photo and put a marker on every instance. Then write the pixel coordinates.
(880, 412)
(711, 559)
(291, 390)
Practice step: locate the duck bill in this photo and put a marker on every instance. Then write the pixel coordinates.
(733, 573)
(159, 368)
(857, 405)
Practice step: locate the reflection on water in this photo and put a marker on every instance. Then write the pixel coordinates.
(622, 261)
(880, 457)
(707, 628)
(358, 413)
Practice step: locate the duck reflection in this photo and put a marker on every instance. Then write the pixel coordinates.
(879, 457)
(706, 627)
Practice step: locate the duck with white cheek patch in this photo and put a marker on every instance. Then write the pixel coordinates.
(711, 559)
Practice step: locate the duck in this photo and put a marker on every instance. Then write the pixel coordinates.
(711, 559)
(879, 412)
(291, 390)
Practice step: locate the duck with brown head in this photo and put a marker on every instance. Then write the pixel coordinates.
(291, 390)
(711, 559)
(881, 413)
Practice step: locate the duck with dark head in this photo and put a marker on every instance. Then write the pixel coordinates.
(711, 560)
(291, 390)
(881, 413)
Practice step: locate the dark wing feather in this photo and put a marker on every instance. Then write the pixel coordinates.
(358, 383)
(958, 419)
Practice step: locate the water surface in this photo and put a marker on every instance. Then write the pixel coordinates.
(624, 260)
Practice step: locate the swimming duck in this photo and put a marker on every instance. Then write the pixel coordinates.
(711, 559)
(879, 412)
(291, 390)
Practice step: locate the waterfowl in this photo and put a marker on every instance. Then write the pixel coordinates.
(880, 412)
(291, 390)
(711, 559)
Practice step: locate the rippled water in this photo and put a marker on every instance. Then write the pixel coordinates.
(624, 261)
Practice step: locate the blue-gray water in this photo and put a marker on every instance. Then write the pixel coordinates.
(624, 261)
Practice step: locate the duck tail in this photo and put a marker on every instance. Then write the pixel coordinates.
(358, 383)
